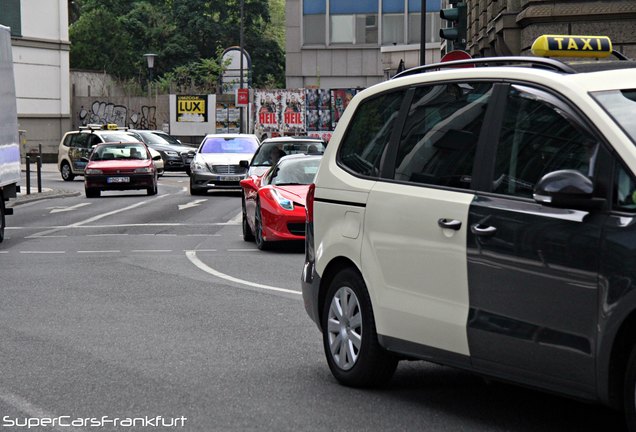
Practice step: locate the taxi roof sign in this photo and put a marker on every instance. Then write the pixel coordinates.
(572, 46)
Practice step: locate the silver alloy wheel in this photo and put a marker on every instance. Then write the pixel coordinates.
(66, 171)
(344, 327)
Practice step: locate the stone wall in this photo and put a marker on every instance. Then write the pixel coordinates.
(508, 27)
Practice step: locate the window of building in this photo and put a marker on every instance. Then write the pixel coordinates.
(354, 22)
(539, 136)
(11, 16)
(369, 132)
(393, 22)
(439, 139)
(314, 22)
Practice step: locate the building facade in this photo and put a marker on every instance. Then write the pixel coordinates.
(343, 43)
(40, 45)
(508, 27)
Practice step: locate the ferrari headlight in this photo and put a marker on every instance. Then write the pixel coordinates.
(90, 171)
(285, 203)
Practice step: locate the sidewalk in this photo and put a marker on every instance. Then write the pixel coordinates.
(23, 197)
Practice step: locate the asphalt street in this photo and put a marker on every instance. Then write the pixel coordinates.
(134, 307)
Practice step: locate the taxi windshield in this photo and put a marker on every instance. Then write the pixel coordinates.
(621, 106)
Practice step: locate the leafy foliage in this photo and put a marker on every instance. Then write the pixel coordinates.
(187, 36)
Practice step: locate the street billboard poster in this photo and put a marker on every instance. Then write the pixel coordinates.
(293, 103)
(192, 108)
(267, 106)
(228, 118)
(318, 109)
(340, 98)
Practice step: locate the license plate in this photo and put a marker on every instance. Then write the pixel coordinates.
(229, 178)
(118, 180)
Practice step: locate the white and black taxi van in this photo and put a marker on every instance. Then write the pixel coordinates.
(484, 217)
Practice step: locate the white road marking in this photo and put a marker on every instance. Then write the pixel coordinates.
(192, 256)
(98, 217)
(31, 410)
(151, 250)
(236, 220)
(51, 236)
(59, 209)
(4, 252)
(98, 251)
(191, 204)
(42, 252)
(106, 235)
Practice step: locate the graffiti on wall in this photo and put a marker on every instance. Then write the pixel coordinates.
(109, 113)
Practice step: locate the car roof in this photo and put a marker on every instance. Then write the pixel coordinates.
(292, 138)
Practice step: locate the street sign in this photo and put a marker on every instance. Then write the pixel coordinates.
(242, 97)
(458, 55)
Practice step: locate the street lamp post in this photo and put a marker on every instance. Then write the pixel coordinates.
(150, 60)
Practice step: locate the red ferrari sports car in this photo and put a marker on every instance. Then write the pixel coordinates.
(274, 204)
(120, 166)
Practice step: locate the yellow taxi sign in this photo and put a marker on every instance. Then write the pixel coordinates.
(572, 46)
(112, 126)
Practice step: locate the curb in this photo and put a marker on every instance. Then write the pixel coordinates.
(24, 199)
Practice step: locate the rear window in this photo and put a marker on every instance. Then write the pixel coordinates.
(117, 137)
(228, 145)
(263, 155)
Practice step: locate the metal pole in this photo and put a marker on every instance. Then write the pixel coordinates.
(241, 79)
(423, 34)
(27, 159)
(39, 168)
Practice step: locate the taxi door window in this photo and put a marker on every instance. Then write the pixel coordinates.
(369, 132)
(624, 191)
(539, 135)
(440, 134)
(80, 141)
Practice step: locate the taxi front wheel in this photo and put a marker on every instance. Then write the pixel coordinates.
(629, 395)
(350, 341)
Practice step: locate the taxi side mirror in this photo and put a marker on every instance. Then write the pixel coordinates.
(566, 189)
(156, 158)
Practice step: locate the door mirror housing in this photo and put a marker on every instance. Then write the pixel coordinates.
(566, 189)
(244, 164)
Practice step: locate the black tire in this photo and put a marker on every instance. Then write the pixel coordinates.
(65, 170)
(92, 192)
(261, 243)
(188, 172)
(152, 190)
(629, 395)
(248, 235)
(361, 364)
(3, 223)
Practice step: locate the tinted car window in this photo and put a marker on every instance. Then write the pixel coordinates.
(440, 135)
(263, 154)
(538, 136)
(80, 140)
(625, 191)
(369, 132)
(228, 145)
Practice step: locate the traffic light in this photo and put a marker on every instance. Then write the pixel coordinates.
(455, 32)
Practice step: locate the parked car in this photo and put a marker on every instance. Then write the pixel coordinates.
(216, 164)
(176, 157)
(120, 166)
(76, 146)
(273, 148)
(483, 217)
(274, 204)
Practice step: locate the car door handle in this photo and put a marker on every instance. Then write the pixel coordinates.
(483, 230)
(453, 224)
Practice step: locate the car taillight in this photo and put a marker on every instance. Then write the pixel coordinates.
(309, 202)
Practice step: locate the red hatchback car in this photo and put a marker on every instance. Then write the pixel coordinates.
(120, 166)
(274, 204)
